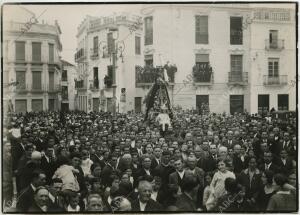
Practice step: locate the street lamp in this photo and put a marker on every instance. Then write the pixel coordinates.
(118, 46)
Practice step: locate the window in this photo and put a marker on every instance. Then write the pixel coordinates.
(137, 45)
(20, 51)
(96, 80)
(236, 31)
(202, 60)
(110, 43)
(110, 72)
(64, 92)
(273, 38)
(51, 53)
(21, 79)
(236, 64)
(283, 102)
(36, 80)
(20, 105)
(273, 67)
(51, 80)
(37, 104)
(201, 29)
(51, 104)
(95, 45)
(263, 104)
(236, 104)
(202, 104)
(148, 30)
(36, 52)
(64, 75)
(202, 72)
(148, 60)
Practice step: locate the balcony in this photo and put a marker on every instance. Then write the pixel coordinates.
(38, 89)
(238, 78)
(148, 75)
(94, 86)
(94, 54)
(54, 88)
(274, 45)
(80, 55)
(22, 88)
(80, 85)
(204, 79)
(275, 80)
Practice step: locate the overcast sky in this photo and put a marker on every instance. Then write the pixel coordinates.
(70, 16)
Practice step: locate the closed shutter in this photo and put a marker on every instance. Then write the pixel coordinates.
(51, 104)
(201, 29)
(148, 30)
(21, 105)
(137, 45)
(202, 58)
(20, 51)
(37, 104)
(36, 52)
(96, 104)
(95, 45)
(51, 80)
(21, 79)
(110, 43)
(51, 53)
(36, 80)
(236, 30)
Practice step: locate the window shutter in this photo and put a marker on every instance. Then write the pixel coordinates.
(21, 79)
(20, 51)
(236, 30)
(110, 43)
(36, 51)
(36, 80)
(202, 58)
(51, 53)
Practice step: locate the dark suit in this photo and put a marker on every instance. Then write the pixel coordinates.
(150, 206)
(49, 168)
(25, 199)
(253, 187)
(174, 179)
(286, 168)
(185, 203)
(209, 164)
(238, 164)
(105, 175)
(164, 172)
(17, 150)
(154, 163)
(273, 167)
(274, 146)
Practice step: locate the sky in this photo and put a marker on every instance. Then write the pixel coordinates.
(69, 18)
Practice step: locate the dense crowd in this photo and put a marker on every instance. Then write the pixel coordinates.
(76, 161)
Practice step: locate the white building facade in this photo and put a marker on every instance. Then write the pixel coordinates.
(229, 57)
(248, 71)
(94, 58)
(31, 61)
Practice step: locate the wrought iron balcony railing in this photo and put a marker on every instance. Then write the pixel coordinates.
(238, 78)
(275, 80)
(276, 45)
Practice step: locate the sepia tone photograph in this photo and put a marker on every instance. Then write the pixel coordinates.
(145, 107)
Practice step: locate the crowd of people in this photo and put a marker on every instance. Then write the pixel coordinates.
(76, 161)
